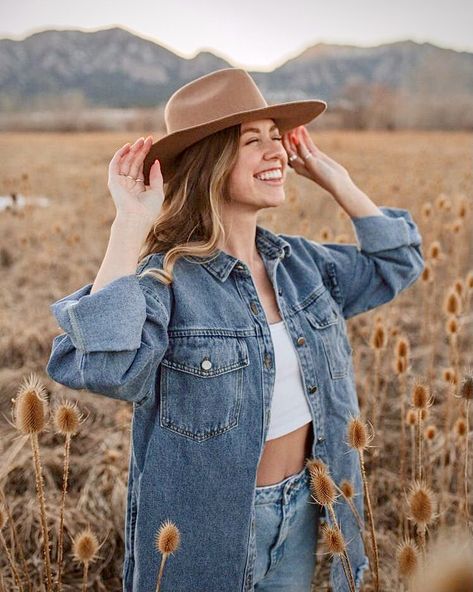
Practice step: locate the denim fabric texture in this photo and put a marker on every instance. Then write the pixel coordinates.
(287, 526)
(196, 361)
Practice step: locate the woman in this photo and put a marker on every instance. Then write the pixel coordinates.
(230, 340)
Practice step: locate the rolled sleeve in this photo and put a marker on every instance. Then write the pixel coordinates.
(394, 229)
(110, 319)
(387, 260)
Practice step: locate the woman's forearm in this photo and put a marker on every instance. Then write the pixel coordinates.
(354, 201)
(121, 258)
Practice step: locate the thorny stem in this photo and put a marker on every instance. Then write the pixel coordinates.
(40, 492)
(67, 444)
(371, 521)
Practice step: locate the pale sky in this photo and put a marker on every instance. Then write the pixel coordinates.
(252, 34)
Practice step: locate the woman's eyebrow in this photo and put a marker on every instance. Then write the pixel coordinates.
(255, 129)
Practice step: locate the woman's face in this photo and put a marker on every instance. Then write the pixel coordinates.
(260, 149)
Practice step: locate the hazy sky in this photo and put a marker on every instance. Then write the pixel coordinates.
(254, 34)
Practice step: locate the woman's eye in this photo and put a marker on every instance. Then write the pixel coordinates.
(256, 139)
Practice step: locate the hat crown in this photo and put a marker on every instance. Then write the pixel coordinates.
(210, 97)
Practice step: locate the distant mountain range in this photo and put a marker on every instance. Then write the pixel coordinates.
(114, 68)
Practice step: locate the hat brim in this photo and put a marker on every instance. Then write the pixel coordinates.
(286, 116)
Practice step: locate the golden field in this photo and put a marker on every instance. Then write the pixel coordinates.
(47, 253)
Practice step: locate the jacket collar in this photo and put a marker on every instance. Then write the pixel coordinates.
(268, 243)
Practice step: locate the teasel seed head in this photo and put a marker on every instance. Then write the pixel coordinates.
(358, 435)
(323, 488)
(168, 538)
(85, 546)
(30, 406)
(420, 396)
(378, 337)
(449, 375)
(427, 275)
(448, 566)
(421, 503)
(469, 280)
(403, 347)
(466, 389)
(457, 226)
(315, 465)
(463, 207)
(460, 428)
(430, 433)
(452, 304)
(67, 418)
(347, 488)
(426, 210)
(334, 539)
(400, 365)
(435, 251)
(411, 417)
(452, 327)
(407, 558)
(459, 287)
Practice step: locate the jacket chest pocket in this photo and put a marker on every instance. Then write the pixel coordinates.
(201, 385)
(324, 316)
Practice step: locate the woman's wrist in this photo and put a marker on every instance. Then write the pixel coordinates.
(354, 201)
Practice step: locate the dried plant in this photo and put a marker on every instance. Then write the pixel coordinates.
(85, 549)
(359, 439)
(167, 541)
(30, 418)
(66, 419)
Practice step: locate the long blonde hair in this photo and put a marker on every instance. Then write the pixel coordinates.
(190, 221)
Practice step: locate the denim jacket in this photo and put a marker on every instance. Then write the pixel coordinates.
(196, 360)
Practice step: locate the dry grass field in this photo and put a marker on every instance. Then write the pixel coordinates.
(415, 348)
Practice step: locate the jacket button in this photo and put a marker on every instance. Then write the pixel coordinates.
(267, 361)
(206, 364)
(312, 389)
(300, 340)
(320, 439)
(280, 292)
(254, 308)
(239, 266)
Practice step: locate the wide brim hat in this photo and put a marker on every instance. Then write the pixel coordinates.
(214, 102)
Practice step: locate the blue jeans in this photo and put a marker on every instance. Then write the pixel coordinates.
(286, 524)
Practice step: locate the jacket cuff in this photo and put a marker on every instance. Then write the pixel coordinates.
(394, 229)
(110, 319)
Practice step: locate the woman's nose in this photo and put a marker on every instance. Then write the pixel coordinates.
(274, 148)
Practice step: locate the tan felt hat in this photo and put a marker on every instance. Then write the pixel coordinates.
(216, 101)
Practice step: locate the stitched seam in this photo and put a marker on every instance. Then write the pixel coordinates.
(76, 327)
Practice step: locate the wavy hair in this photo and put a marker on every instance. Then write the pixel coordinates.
(190, 222)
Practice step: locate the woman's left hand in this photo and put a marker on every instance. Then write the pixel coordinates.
(320, 168)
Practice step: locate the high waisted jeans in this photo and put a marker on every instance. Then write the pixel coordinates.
(287, 524)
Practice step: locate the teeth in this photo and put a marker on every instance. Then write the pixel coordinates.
(270, 175)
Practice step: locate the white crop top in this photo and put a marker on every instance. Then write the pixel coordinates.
(289, 407)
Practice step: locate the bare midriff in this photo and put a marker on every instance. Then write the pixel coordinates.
(286, 455)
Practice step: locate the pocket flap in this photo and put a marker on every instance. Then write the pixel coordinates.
(206, 356)
(322, 313)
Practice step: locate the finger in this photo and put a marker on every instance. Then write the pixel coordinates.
(136, 165)
(304, 149)
(128, 158)
(113, 167)
(308, 140)
(156, 176)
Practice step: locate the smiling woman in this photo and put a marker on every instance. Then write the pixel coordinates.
(182, 322)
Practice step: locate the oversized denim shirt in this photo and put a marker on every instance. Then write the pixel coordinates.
(196, 360)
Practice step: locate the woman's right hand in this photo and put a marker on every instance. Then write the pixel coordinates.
(133, 199)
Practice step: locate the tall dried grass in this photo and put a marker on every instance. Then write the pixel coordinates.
(424, 338)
